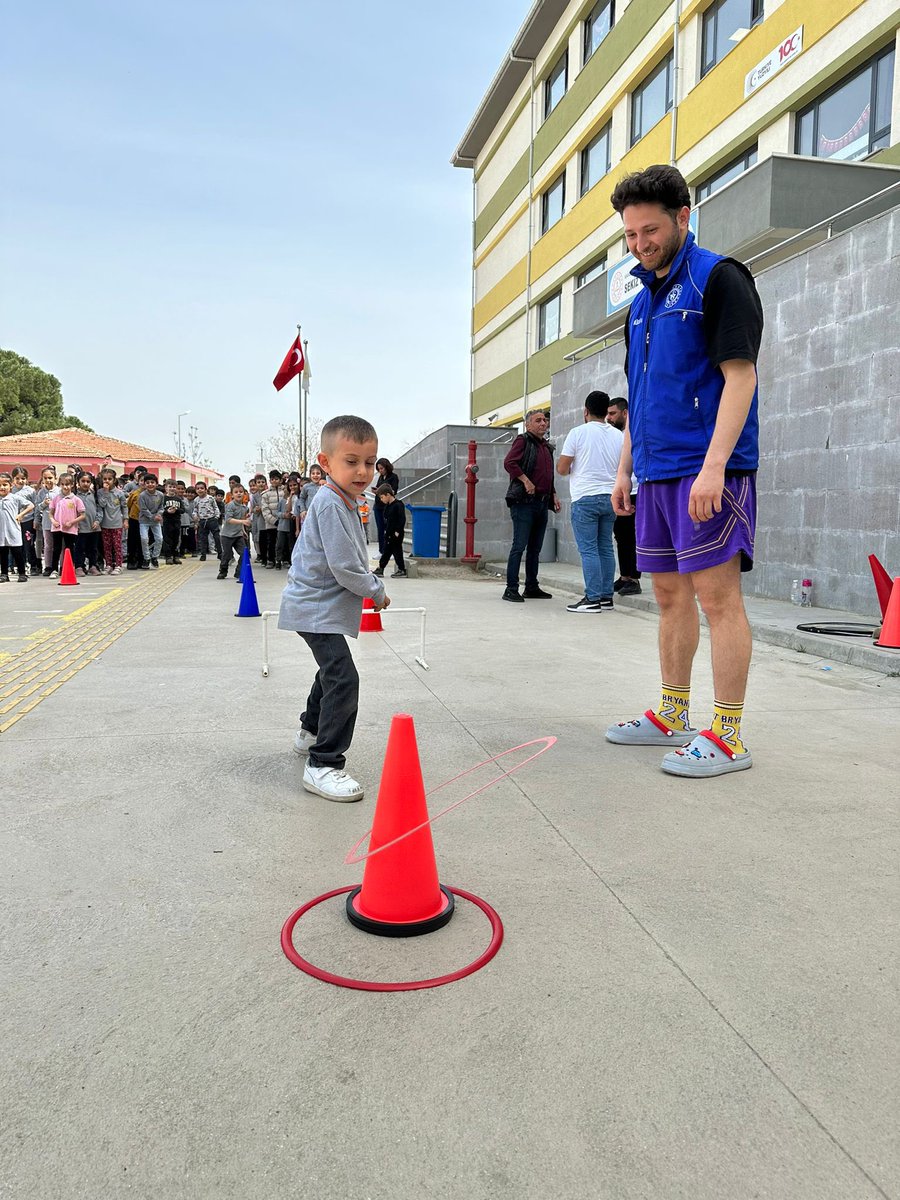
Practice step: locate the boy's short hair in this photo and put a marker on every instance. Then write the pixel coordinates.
(355, 429)
(148, 477)
(385, 490)
(273, 474)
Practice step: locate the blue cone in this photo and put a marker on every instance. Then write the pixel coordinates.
(249, 605)
(245, 565)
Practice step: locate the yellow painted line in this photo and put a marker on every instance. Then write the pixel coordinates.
(57, 655)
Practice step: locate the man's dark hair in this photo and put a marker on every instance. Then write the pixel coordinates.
(619, 402)
(384, 490)
(273, 474)
(354, 429)
(597, 404)
(659, 184)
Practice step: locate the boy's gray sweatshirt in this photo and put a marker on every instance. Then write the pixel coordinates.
(149, 506)
(330, 572)
(234, 512)
(113, 508)
(91, 514)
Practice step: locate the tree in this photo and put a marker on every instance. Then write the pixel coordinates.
(196, 454)
(283, 449)
(30, 399)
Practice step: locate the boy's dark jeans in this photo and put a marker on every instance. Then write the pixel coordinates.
(205, 530)
(171, 535)
(393, 545)
(333, 702)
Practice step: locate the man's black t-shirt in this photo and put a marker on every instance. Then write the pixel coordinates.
(732, 313)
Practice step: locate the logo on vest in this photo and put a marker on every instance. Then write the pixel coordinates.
(674, 296)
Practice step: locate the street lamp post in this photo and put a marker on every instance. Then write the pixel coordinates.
(180, 447)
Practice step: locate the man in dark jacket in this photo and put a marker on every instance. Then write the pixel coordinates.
(531, 495)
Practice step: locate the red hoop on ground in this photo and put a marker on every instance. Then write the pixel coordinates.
(364, 985)
(545, 743)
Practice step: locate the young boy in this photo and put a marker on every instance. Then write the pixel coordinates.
(15, 509)
(185, 533)
(233, 538)
(394, 524)
(328, 579)
(173, 507)
(149, 522)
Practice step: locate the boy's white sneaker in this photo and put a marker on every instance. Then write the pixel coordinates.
(331, 783)
(303, 739)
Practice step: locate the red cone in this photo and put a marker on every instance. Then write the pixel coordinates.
(882, 583)
(371, 620)
(400, 894)
(890, 630)
(67, 575)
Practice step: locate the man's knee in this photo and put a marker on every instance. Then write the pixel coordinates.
(672, 591)
(719, 590)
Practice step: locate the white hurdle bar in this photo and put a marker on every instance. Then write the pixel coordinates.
(420, 657)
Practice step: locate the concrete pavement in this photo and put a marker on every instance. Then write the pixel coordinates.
(696, 995)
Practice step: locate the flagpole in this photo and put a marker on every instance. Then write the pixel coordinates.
(304, 384)
(301, 423)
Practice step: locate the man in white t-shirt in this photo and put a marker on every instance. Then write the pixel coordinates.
(590, 457)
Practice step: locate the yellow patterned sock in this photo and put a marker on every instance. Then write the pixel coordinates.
(673, 708)
(726, 724)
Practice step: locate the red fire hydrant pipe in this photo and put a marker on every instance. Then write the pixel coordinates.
(470, 519)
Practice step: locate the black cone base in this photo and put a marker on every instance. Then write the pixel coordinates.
(400, 928)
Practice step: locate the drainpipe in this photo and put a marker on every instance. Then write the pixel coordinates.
(472, 323)
(675, 81)
(522, 59)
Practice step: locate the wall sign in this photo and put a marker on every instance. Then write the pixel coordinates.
(772, 63)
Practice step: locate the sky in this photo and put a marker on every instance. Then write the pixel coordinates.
(186, 182)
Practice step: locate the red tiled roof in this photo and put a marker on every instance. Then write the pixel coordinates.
(73, 444)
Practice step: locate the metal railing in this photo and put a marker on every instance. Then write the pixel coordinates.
(429, 480)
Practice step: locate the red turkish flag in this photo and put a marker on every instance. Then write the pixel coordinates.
(292, 365)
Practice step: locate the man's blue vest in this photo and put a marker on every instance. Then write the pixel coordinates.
(673, 388)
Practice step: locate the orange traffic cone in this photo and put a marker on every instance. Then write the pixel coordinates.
(400, 894)
(882, 583)
(890, 629)
(370, 621)
(67, 575)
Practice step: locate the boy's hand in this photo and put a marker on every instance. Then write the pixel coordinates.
(386, 602)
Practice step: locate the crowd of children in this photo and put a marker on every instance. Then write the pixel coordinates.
(110, 523)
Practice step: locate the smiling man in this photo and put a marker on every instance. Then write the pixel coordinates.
(693, 334)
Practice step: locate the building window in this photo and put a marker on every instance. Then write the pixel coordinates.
(854, 118)
(652, 100)
(595, 160)
(553, 203)
(597, 25)
(594, 271)
(555, 85)
(548, 320)
(736, 167)
(724, 25)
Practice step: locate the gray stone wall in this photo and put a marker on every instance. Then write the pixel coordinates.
(829, 386)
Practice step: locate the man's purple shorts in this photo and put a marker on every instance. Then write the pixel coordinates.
(668, 540)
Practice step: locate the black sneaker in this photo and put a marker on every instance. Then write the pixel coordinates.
(584, 605)
(606, 604)
(618, 585)
(222, 575)
(378, 571)
(398, 575)
(513, 596)
(270, 566)
(537, 593)
(203, 558)
(145, 566)
(4, 579)
(630, 587)
(47, 572)
(170, 562)
(23, 579)
(154, 563)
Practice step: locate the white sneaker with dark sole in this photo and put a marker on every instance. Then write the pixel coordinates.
(303, 739)
(331, 783)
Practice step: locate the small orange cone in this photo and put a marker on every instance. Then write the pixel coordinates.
(371, 620)
(400, 894)
(882, 583)
(67, 575)
(890, 630)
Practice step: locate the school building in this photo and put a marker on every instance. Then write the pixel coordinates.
(64, 448)
(779, 113)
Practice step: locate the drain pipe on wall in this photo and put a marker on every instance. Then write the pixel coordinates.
(522, 59)
(676, 69)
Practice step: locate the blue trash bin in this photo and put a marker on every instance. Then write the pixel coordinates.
(426, 529)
